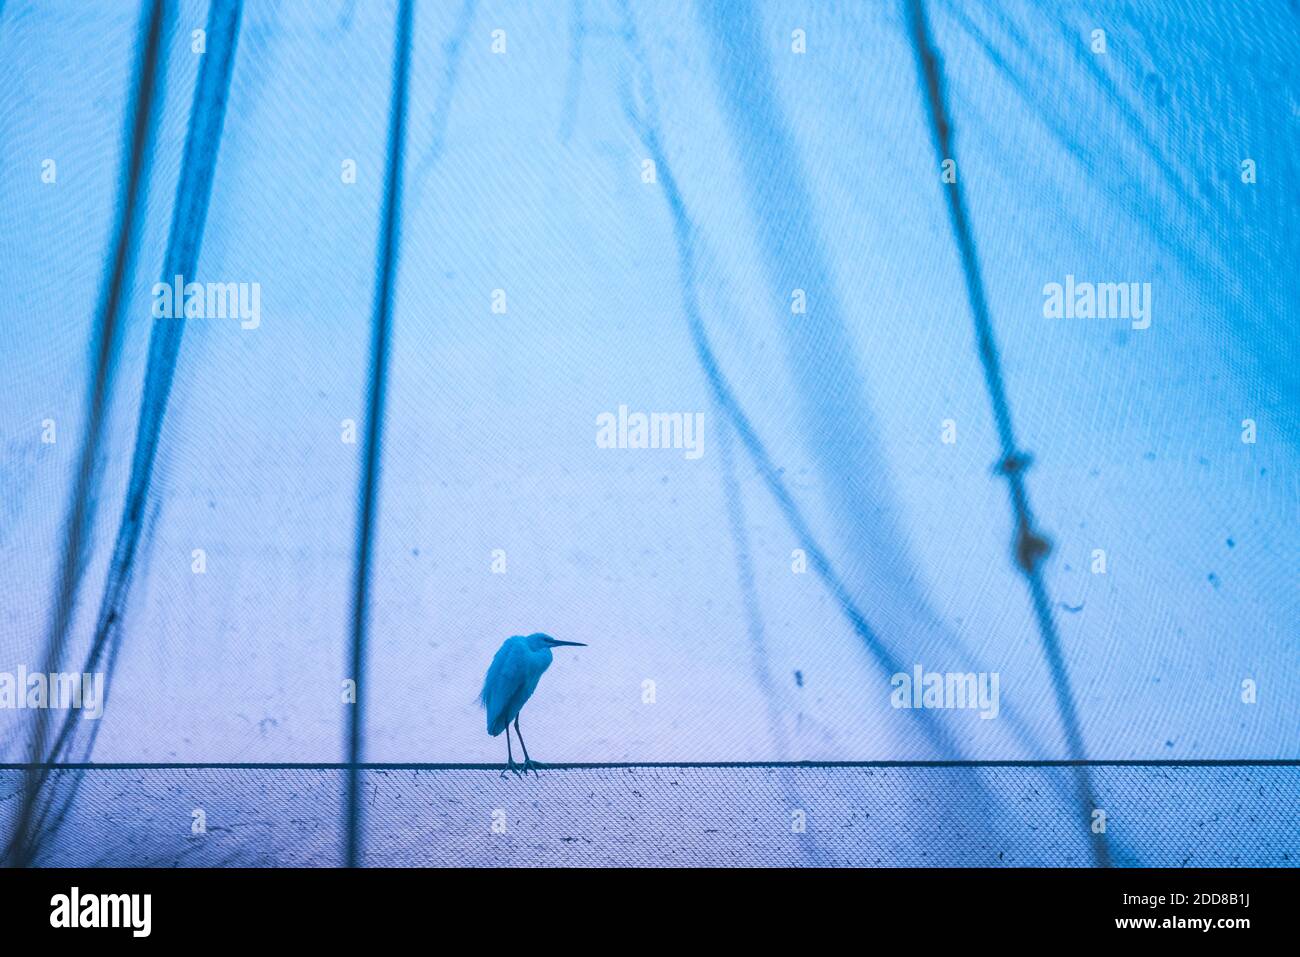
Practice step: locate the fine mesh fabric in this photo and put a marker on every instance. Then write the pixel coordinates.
(290, 541)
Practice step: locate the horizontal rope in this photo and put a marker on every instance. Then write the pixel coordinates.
(612, 766)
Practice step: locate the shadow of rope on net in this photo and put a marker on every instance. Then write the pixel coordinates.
(368, 491)
(723, 394)
(146, 88)
(193, 193)
(1029, 546)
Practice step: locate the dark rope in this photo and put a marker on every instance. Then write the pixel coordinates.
(384, 291)
(1029, 546)
(104, 350)
(193, 192)
(724, 395)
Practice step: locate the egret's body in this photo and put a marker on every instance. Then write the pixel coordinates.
(511, 680)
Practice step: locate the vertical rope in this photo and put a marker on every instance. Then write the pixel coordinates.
(378, 386)
(104, 349)
(189, 215)
(1029, 546)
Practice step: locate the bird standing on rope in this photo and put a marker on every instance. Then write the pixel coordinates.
(511, 679)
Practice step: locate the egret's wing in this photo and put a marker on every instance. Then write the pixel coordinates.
(506, 678)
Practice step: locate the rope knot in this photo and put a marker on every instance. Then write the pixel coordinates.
(1031, 548)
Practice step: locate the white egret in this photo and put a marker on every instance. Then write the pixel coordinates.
(511, 679)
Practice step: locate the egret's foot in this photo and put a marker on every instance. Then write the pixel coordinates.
(512, 768)
(531, 765)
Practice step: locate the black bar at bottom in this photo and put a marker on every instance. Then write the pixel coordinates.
(294, 906)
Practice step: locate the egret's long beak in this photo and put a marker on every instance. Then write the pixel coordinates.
(555, 643)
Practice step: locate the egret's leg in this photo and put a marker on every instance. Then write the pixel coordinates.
(528, 762)
(510, 757)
